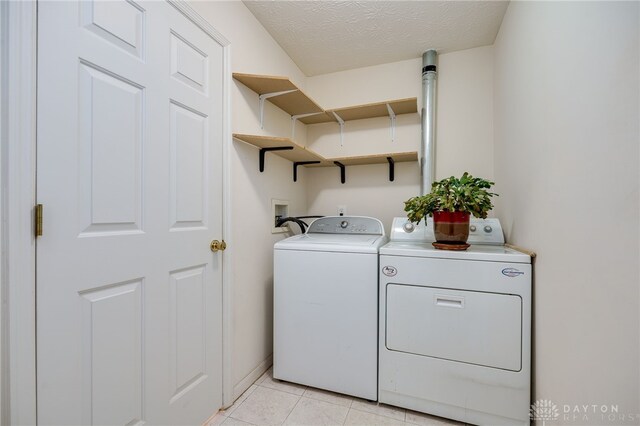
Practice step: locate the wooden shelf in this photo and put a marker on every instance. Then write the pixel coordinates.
(360, 112)
(297, 103)
(294, 103)
(297, 154)
(262, 84)
(284, 94)
(397, 157)
(301, 156)
(318, 118)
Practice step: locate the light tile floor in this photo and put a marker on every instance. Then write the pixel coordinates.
(273, 402)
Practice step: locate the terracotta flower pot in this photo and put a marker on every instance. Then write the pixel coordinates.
(451, 227)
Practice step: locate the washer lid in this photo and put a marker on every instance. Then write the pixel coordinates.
(475, 252)
(352, 243)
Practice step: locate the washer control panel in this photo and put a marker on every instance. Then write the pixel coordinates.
(346, 225)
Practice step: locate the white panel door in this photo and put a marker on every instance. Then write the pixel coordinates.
(129, 296)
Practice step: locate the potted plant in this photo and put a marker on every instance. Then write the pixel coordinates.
(451, 202)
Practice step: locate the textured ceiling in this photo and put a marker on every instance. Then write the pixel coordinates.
(325, 36)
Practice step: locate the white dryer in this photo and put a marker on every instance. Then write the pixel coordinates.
(326, 306)
(455, 327)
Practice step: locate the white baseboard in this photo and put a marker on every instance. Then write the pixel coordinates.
(255, 374)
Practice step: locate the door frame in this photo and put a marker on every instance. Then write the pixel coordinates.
(18, 89)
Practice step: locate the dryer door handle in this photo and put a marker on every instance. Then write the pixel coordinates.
(449, 301)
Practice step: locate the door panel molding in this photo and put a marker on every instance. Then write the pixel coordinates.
(184, 8)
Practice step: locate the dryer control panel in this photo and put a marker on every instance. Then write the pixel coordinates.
(485, 231)
(404, 230)
(481, 231)
(346, 225)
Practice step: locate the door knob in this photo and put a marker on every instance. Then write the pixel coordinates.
(218, 245)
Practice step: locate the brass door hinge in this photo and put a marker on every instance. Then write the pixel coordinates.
(38, 212)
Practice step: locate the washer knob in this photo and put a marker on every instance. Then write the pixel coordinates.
(488, 229)
(344, 224)
(472, 228)
(408, 227)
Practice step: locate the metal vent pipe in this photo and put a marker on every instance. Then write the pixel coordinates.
(427, 160)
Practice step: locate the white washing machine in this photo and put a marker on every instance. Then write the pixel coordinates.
(455, 327)
(326, 306)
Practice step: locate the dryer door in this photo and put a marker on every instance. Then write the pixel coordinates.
(467, 326)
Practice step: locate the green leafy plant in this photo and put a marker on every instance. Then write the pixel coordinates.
(466, 194)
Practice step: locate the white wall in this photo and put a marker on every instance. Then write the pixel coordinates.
(254, 51)
(566, 123)
(464, 127)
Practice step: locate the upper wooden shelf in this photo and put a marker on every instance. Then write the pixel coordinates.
(299, 155)
(262, 84)
(293, 103)
(298, 103)
(359, 112)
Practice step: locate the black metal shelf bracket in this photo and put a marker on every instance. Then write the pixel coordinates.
(391, 169)
(342, 171)
(276, 148)
(300, 163)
